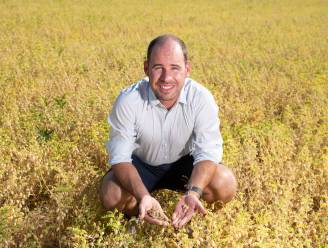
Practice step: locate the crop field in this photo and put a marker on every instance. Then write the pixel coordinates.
(62, 64)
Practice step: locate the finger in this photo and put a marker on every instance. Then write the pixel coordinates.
(165, 217)
(201, 208)
(186, 218)
(184, 210)
(155, 221)
(178, 211)
(162, 214)
(174, 216)
(178, 216)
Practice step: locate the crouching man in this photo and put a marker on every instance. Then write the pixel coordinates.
(165, 135)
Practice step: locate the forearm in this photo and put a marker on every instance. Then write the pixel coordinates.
(128, 177)
(202, 174)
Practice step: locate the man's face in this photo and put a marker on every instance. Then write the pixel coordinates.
(167, 71)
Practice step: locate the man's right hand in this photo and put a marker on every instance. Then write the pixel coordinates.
(151, 211)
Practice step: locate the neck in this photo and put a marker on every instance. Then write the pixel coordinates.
(168, 104)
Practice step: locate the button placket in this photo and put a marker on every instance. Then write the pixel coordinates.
(167, 116)
(162, 144)
(165, 134)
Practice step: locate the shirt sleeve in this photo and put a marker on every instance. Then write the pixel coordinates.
(207, 140)
(121, 143)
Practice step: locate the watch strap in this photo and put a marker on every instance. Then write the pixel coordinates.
(196, 189)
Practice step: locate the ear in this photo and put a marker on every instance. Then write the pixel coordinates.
(188, 69)
(146, 68)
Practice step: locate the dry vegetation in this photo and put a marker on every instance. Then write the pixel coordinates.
(62, 63)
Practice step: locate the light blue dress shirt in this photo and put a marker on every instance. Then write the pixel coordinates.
(141, 125)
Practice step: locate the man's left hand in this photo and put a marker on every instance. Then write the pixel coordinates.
(185, 209)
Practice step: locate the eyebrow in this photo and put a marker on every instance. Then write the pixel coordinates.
(172, 65)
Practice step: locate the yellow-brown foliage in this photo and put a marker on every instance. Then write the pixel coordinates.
(62, 63)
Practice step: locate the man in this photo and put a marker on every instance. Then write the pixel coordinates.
(165, 134)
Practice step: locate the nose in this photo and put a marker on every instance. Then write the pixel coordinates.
(166, 75)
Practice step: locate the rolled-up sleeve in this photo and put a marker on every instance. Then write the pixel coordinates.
(121, 143)
(207, 140)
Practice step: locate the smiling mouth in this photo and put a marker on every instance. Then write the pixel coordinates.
(166, 87)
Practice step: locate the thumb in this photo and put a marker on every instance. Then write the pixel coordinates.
(142, 211)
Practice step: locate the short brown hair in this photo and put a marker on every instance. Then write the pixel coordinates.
(161, 39)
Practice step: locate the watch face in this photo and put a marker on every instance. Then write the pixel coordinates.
(196, 189)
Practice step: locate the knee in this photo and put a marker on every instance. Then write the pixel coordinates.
(113, 197)
(228, 189)
(223, 186)
(109, 193)
(108, 196)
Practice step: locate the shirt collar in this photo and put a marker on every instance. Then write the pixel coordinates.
(153, 99)
(151, 96)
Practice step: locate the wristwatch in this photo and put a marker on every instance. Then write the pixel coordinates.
(196, 189)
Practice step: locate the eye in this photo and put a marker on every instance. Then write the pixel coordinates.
(175, 68)
(157, 68)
